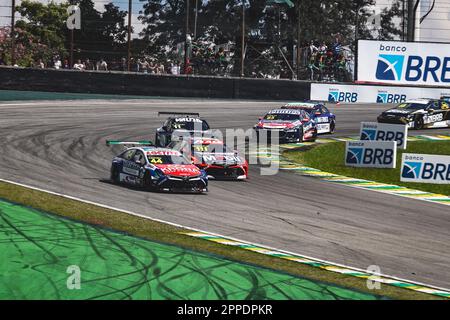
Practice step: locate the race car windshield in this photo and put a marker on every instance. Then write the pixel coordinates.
(191, 125)
(411, 106)
(283, 116)
(167, 159)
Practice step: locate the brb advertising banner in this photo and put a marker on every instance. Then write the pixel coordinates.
(371, 154)
(413, 63)
(374, 131)
(371, 93)
(425, 168)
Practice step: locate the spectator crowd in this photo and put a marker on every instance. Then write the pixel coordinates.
(328, 62)
(321, 61)
(136, 65)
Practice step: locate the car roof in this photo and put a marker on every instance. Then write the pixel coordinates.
(420, 101)
(185, 117)
(286, 111)
(162, 150)
(205, 140)
(301, 105)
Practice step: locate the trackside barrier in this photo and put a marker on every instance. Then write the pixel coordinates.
(384, 132)
(425, 168)
(352, 93)
(101, 82)
(371, 154)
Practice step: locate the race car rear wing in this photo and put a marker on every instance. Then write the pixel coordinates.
(129, 143)
(173, 113)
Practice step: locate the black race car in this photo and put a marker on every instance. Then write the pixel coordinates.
(419, 114)
(180, 124)
(446, 98)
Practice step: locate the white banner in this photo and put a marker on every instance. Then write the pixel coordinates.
(371, 93)
(371, 154)
(425, 168)
(413, 63)
(384, 132)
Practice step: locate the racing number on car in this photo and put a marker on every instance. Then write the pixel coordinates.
(156, 160)
(271, 117)
(201, 148)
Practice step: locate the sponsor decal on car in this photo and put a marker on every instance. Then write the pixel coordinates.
(131, 168)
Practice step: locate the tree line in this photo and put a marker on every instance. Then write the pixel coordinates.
(272, 30)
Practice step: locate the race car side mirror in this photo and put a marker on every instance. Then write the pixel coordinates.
(430, 110)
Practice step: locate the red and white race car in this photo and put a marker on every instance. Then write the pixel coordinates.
(213, 156)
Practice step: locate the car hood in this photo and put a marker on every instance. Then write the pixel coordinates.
(218, 158)
(179, 170)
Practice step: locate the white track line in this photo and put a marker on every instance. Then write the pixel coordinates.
(218, 235)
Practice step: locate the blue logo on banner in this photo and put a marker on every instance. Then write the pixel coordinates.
(381, 97)
(342, 96)
(390, 67)
(411, 170)
(354, 155)
(333, 96)
(390, 98)
(368, 134)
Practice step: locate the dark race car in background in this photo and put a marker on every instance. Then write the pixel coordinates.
(180, 123)
(157, 169)
(419, 114)
(290, 125)
(325, 120)
(213, 156)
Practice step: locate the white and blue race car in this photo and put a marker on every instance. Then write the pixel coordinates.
(156, 169)
(325, 120)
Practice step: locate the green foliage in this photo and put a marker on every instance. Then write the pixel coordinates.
(102, 35)
(40, 31)
(267, 27)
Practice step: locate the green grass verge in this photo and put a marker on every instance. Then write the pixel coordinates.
(329, 157)
(165, 233)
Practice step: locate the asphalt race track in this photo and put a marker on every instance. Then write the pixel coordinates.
(60, 146)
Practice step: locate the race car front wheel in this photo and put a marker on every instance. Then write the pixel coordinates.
(418, 123)
(115, 175)
(147, 182)
(301, 134)
(332, 126)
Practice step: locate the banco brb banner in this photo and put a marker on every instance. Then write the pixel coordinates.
(411, 63)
